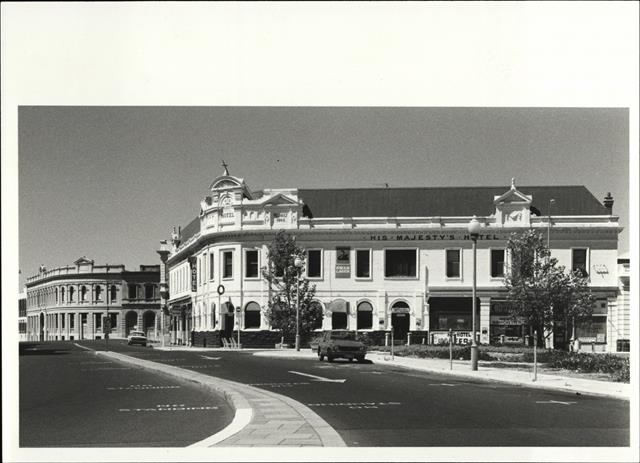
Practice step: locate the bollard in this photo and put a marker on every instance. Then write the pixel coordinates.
(535, 355)
(450, 349)
(391, 344)
(593, 346)
(408, 339)
(386, 339)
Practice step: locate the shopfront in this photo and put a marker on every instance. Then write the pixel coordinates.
(505, 327)
(455, 314)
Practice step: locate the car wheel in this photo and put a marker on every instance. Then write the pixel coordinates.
(361, 359)
(351, 359)
(330, 358)
(320, 356)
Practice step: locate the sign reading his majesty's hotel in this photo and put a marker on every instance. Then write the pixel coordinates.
(430, 237)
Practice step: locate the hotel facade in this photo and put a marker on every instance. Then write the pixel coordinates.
(72, 302)
(390, 260)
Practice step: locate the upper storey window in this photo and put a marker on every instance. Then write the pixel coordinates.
(579, 262)
(400, 263)
(453, 263)
(251, 263)
(497, 263)
(227, 264)
(133, 291)
(314, 263)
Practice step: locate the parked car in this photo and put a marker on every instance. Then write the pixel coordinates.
(341, 344)
(137, 337)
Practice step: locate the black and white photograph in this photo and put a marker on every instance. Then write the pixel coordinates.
(247, 231)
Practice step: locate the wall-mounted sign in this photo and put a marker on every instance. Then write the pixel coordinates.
(431, 237)
(343, 262)
(194, 274)
(220, 290)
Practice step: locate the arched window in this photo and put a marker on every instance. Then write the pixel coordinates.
(62, 294)
(72, 290)
(364, 316)
(83, 294)
(56, 292)
(339, 309)
(252, 315)
(98, 293)
(113, 293)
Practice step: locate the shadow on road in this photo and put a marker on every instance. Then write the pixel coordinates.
(34, 348)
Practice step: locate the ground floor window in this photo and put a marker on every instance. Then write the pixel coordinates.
(364, 316)
(594, 330)
(252, 315)
(338, 321)
(452, 313)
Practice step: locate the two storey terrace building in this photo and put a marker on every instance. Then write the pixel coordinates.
(71, 302)
(386, 259)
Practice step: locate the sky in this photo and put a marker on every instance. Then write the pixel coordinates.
(111, 182)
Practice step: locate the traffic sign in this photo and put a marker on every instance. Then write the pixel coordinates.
(220, 290)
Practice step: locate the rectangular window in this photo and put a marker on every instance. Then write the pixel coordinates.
(227, 264)
(594, 330)
(314, 263)
(363, 263)
(497, 263)
(400, 263)
(148, 292)
(211, 266)
(579, 261)
(98, 321)
(251, 263)
(453, 263)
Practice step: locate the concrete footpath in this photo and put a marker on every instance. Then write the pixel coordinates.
(262, 418)
(462, 368)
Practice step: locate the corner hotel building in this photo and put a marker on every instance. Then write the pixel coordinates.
(383, 259)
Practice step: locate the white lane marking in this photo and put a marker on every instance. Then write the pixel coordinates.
(443, 384)
(169, 408)
(82, 347)
(554, 402)
(210, 358)
(95, 363)
(278, 384)
(318, 378)
(240, 420)
(139, 387)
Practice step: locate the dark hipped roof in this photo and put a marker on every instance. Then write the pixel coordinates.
(441, 201)
(432, 202)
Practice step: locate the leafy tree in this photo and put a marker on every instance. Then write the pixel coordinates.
(542, 291)
(281, 274)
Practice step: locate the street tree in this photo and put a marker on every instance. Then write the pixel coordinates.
(540, 290)
(281, 275)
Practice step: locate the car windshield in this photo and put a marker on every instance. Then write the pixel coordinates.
(136, 333)
(343, 335)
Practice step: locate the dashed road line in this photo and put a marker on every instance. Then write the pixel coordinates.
(355, 405)
(278, 384)
(555, 402)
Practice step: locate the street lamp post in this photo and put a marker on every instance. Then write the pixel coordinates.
(298, 264)
(551, 202)
(474, 231)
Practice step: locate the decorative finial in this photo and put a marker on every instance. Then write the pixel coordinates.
(513, 183)
(226, 167)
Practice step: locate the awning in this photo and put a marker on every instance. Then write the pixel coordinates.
(338, 305)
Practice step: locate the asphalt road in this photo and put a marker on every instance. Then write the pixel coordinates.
(380, 405)
(70, 397)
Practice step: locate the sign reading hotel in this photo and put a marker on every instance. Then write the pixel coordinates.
(436, 236)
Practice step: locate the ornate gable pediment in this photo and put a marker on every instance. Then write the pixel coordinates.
(83, 261)
(513, 207)
(280, 199)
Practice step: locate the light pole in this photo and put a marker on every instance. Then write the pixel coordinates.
(551, 202)
(474, 231)
(298, 264)
(163, 252)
